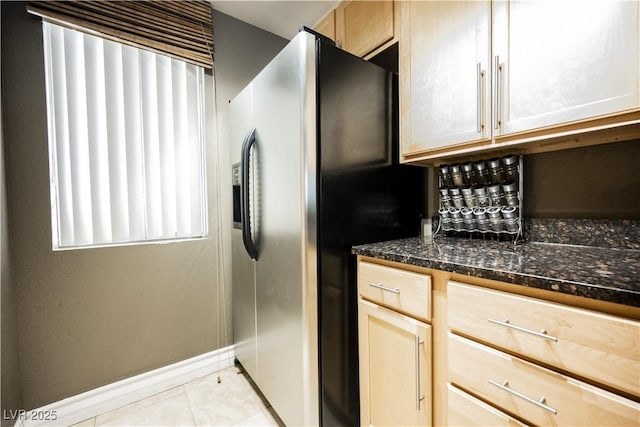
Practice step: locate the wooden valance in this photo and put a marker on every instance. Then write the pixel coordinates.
(182, 29)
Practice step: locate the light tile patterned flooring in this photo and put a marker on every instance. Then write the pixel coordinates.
(203, 402)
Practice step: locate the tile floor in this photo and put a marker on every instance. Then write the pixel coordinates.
(203, 402)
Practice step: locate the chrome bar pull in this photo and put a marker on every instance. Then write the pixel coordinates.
(419, 397)
(384, 288)
(497, 69)
(541, 403)
(480, 104)
(507, 324)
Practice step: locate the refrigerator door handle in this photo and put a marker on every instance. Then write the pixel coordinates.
(249, 245)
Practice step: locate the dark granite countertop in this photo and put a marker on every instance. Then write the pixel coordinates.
(600, 273)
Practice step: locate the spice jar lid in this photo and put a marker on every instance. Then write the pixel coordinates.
(509, 186)
(480, 165)
(510, 160)
(494, 212)
(494, 163)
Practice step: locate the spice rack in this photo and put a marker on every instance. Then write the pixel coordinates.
(481, 198)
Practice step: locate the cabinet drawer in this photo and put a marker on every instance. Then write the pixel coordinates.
(597, 346)
(397, 289)
(465, 410)
(535, 394)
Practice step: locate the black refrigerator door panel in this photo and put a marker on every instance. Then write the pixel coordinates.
(364, 197)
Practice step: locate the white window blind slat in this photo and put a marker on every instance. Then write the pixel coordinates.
(134, 147)
(127, 164)
(62, 193)
(180, 136)
(116, 137)
(196, 157)
(97, 136)
(166, 145)
(78, 137)
(152, 178)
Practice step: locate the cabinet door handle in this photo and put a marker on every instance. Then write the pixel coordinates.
(419, 397)
(507, 324)
(541, 403)
(480, 104)
(497, 80)
(384, 288)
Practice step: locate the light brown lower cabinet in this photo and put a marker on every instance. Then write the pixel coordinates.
(447, 349)
(395, 368)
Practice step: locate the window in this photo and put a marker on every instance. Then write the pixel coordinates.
(125, 142)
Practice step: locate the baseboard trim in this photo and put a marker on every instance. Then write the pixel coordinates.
(94, 402)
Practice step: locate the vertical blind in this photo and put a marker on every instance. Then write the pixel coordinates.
(181, 29)
(125, 142)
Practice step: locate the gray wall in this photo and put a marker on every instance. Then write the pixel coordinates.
(601, 182)
(9, 368)
(90, 317)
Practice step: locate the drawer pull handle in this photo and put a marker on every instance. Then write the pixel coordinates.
(419, 397)
(541, 334)
(384, 288)
(539, 403)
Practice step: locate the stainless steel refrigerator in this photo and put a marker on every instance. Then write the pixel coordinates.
(314, 174)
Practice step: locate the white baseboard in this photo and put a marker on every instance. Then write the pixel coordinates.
(94, 402)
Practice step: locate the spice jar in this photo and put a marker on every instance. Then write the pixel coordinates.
(482, 222)
(509, 212)
(482, 173)
(469, 174)
(482, 198)
(458, 224)
(445, 176)
(510, 164)
(497, 224)
(445, 198)
(510, 189)
(496, 194)
(512, 224)
(456, 197)
(496, 170)
(494, 212)
(469, 197)
(456, 175)
(454, 213)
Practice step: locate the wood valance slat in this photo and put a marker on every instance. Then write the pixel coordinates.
(181, 29)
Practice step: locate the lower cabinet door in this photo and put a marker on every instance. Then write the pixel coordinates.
(395, 368)
(465, 410)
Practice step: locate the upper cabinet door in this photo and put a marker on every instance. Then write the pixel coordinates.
(363, 26)
(559, 61)
(445, 74)
(327, 25)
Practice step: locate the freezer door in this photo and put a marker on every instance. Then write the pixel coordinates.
(286, 279)
(243, 268)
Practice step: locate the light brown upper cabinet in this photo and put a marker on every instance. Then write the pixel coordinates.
(365, 27)
(444, 74)
(477, 74)
(327, 25)
(562, 61)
